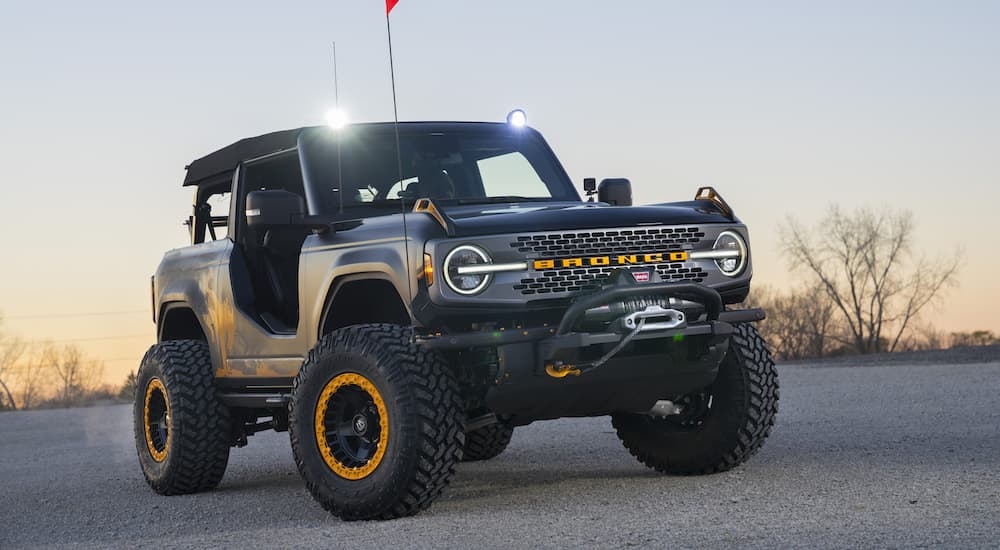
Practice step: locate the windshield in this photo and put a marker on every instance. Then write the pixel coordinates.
(488, 163)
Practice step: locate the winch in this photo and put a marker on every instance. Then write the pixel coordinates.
(649, 313)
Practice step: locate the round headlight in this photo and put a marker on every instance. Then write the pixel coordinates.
(733, 264)
(465, 256)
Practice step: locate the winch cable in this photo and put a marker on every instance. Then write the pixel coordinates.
(587, 367)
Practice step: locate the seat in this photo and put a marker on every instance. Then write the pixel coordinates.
(434, 184)
(279, 258)
(273, 253)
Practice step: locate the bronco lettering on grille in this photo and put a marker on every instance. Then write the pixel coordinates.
(604, 261)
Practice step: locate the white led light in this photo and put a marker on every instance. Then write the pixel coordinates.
(730, 252)
(336, 119)
(517, 118)
(467, 282)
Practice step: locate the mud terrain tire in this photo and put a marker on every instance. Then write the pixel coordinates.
(182, 430)
(744, 403)
(376, 423)
(487, 442)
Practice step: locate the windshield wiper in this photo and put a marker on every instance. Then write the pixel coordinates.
(377, 203)
(503, 199)
(395, 203)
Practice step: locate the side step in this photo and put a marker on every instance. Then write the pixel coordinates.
(256, 400)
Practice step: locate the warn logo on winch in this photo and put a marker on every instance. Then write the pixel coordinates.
(606, 261)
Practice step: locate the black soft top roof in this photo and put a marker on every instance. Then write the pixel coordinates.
(225, 160)
(218, 166)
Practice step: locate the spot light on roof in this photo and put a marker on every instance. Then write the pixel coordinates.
(336, 119)
(517, 118)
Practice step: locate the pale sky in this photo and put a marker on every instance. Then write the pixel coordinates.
(784, 107)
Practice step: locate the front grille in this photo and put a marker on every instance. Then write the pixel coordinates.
(618, 241)
(601, 243)
(590, 278)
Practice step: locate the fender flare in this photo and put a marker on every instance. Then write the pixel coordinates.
(338, 284)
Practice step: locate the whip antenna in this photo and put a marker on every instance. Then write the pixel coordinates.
(389, 4)
(336, 91)
(336, 106)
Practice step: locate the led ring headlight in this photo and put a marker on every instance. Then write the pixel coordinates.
(733, 263)
(466, 283)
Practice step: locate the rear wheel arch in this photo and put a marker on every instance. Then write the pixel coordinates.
(178, 321)
(362, 298)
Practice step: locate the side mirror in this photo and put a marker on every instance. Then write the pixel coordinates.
(615, 191)
(274, 208)
(590, 188)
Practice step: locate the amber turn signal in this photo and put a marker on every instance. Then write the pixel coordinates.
(428, 270)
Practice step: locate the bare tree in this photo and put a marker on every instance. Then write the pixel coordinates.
(127, 391)
(31, 375)
(69, 368)
(92, 377)
(31, 378)
(799, 322)
(927, 337)
(818, 321)
(11, 350)
(974, 338)
(864, 262)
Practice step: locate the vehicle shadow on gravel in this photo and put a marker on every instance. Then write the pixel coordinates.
(484, 483)
(469, 476)
(254, 483)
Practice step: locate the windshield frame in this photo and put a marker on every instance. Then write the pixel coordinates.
(318, 147)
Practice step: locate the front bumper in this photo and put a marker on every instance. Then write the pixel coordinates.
(549, 371)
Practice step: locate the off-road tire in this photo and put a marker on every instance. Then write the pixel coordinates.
(487, 442)
(195, 451)
(424, 414)
(744, 406)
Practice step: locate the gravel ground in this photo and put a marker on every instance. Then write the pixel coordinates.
(875, 457)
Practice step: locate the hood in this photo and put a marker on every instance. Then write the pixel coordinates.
(493, 219)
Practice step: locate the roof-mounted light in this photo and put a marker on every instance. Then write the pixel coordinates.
(336, 119)
(517, 118)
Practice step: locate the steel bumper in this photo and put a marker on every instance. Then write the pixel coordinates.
(542, 371)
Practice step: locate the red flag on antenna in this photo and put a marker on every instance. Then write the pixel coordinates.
(389, 4)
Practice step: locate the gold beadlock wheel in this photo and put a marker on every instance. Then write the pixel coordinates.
(402, 454)
(156, 417)
(352, 426)
(182, 430)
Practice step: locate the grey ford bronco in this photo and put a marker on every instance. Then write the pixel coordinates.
(400, 298)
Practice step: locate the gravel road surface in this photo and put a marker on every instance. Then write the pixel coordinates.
(879, 456)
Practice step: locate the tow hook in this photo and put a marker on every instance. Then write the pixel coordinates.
(558, 369)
